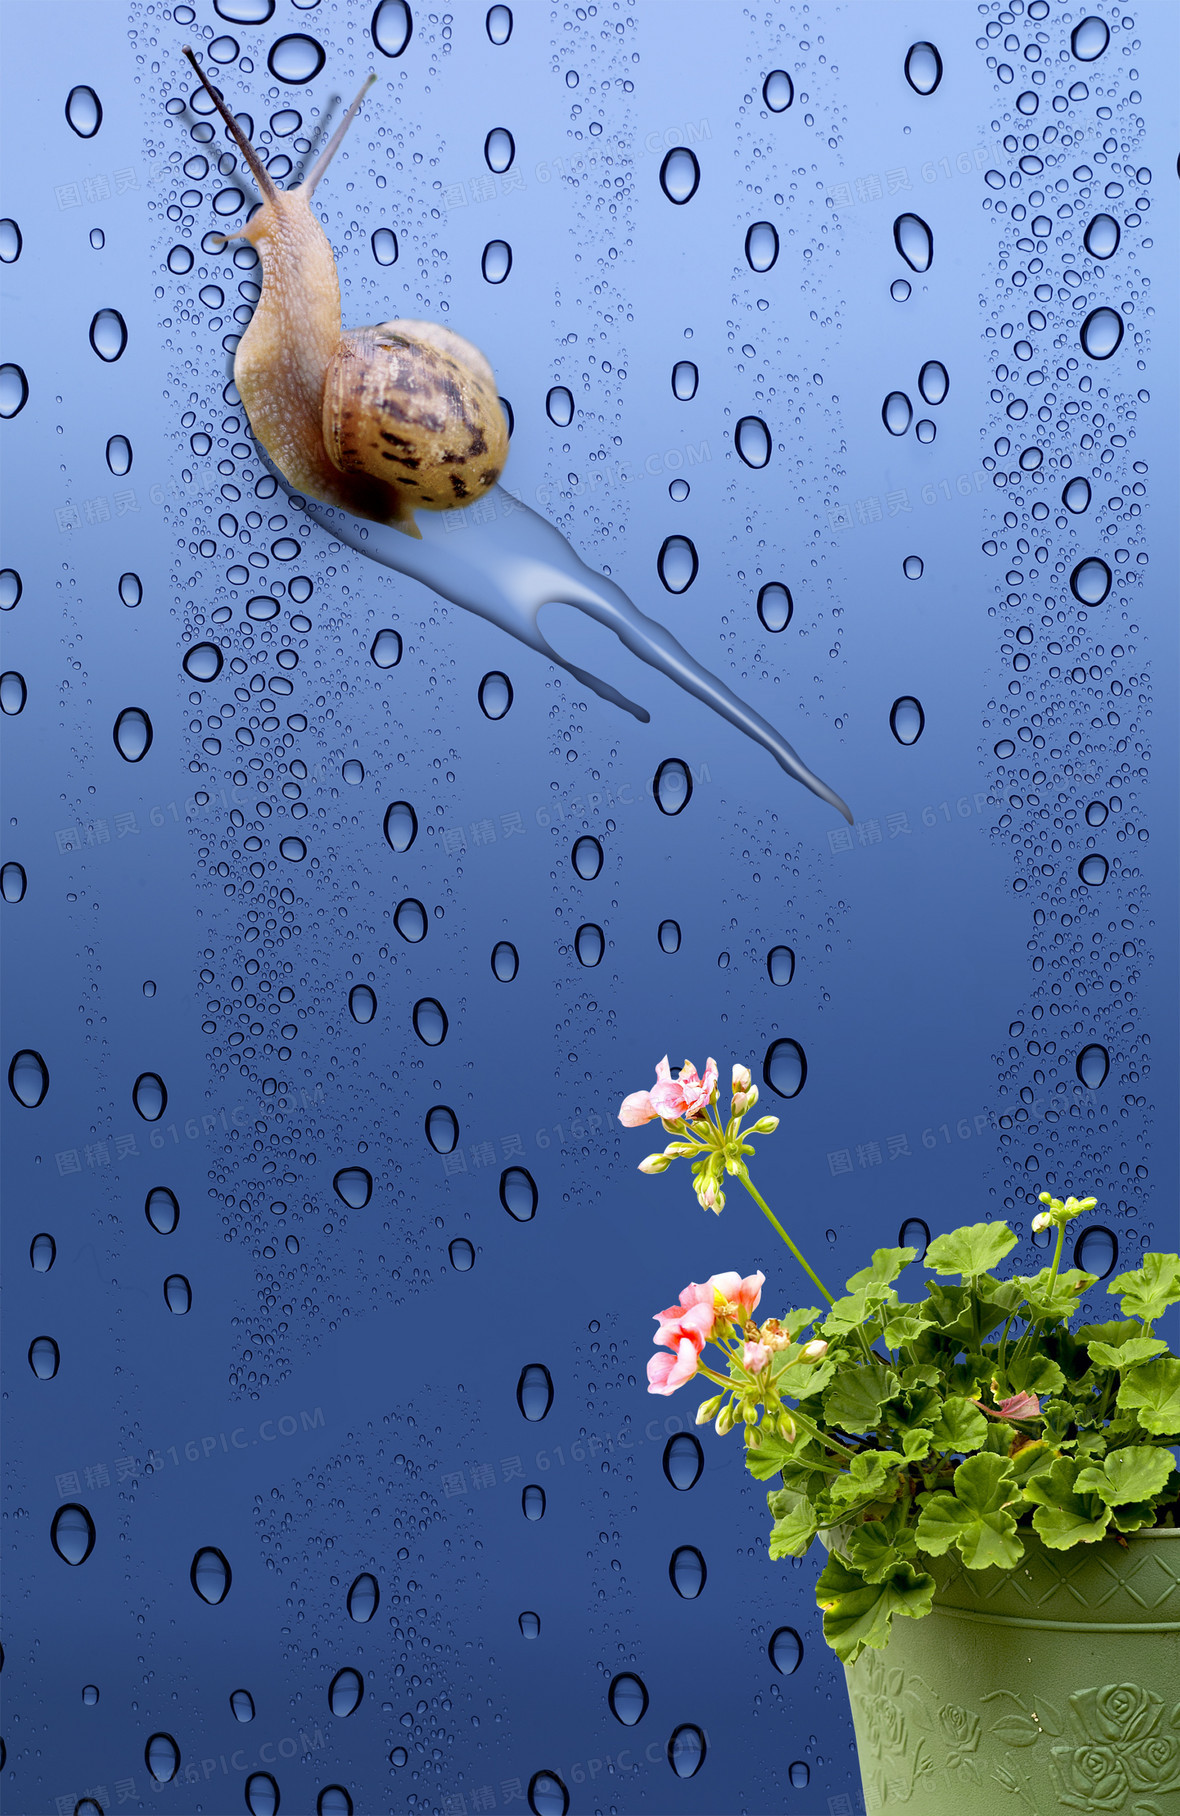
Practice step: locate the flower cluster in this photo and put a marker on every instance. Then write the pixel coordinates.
(683, 1105)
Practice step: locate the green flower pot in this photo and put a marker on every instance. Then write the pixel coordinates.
(1054, 1686)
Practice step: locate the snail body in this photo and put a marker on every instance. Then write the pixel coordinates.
(379, 421)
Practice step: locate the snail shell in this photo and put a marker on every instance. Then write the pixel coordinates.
(415, 404)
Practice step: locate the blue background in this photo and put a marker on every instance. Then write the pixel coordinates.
(339, 1398)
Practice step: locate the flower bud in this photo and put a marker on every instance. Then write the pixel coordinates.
(751, 1097)
(655, 1163)
(753, 1437)
(741, 1078)
(750, 1412)
(765, 1125)
(1041, 1221)
(811, 1352)
(724, 1420)
(786, 1426)
(1045, 1198)
(740, 1103)
(708, 1409)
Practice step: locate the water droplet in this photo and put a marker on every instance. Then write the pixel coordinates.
(496, 262)
(84, 111)
(1096, 1251)
(914, 241)
(1092, 1066)
(912, 567)
(784, 1069)
(1076, 496)
(775, 605)
(333, 1800)
(1102, 236)
(686, 1750)
(1090, 581)
(130, 589)
(398, 1756)
(362, 1003)
(163, 1758)
(495, 695)
(684, 1461)
(529, 1624)
(10, 242)
(294, 850)
(13, 693)
(534, 1391)
(684, 380)
(925, 430)
(1093, 869)
(354, 1186)
(628, 1698)
(244, 12)
(679, 490)
(296, 58)
(401, 826)
(934, 381)
(559, 406)
(923, 68)
(42, 1252)
(589, 945)
(262, 1794)
(13, 882)
(345, 1692)
(178, 1294)
(1089, 38)
(108, 335)
(1101, 333)
(28, 1078)
(899, 290)
(391, 27)
(505, 961)
(668, 935)
(586, 857)
(778, 91)
(780, 964)
(386, 649)
(914, 1233)
(672, 787)
(761, 246)
(1005, 748)
(897, 413)
(14, 391)
(686, 1568)
(430, 1022)
(44, 1358)
(162, 1209)
(119, 455)
(409, 917)
(72, 1533)
(548, 1795)
(677, 563)
(210, 1575)
(11, 588)
(785, 1650)
(1096, 813)
(680, 175)
(203, 662)
(498, 24)
(752, 440)
(179, 260)
(242, 1704)
(462, 1255)
(799, 1774)
(907, 721)
(532, 1502)
(133, 734)
(384, 244)
(353, 772)
(499, 149)
(442, 1128)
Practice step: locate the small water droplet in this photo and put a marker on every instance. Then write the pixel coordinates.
(914, 241)
(505, 961)
(28, 1078)
(353, 772)
(780, 964)
(677, 563)
(907, 721)
(586, 857)
(10, 241)
(496, 262)
(799, 1773)
(761, 246)
(680, 175)
(162, 1209)
(345, 1692)
(934, 381)
(548, 1795)
(11, 588)
(897, 413)
(529, 1624)
(401, 826)
(1102, 236)
(383, 241)
(495, 695)
(293, 849)
(119, 455)
(14, 391)
(44, 1358)
(297, 58)
(84, 111)
(1092, 1066)
(133, 734)
(72, 1533)
(262, 1794)
(430, 1022)
(1089, 38)
(532, 1502)
(672, 787)
(398, 1755)
(1096, 813)
(1096, 1251)
(684, 1461)
(108, 335)
(499, 149)
(684, 380)
(914, 1233)
(442, 1128)
(409, 917)
(242, 1704)
(778, 91)
(163, 1758)
(462, 1255)
(668, 935)
(628, 1698)
(688, 1573)
(912, 567)
(534, 1391)
(13, 693)
(130, 589)
(210, 1575)
(362, 1003)
(899, 290)
(178, 1294)
(678, 490)
(203, 662)
(785, 1650)
(923, 68)
(589, 945)
(391, 27)
(1093, 869)
(1102, 331)
(498, 24)
(686, 1750)
(42, 1252)
(354, 1186)
(1076, 496)
(1090, 581)
(925, 430)
(752, 440)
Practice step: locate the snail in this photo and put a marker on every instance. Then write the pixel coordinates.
(379, 421)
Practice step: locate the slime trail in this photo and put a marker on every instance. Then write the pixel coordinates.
(507, 568)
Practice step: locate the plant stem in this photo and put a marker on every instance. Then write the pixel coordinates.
(765, 1208)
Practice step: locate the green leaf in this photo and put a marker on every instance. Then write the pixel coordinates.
(969, 1377)
(794, 1323)
(886, 1266)
(805, 1378)
(999, 1437)
(971, 1250)
(876, 1551)
(869, 1477)
(1056, 1416)
(770, 1457)
(1148, 1292)
(848, 1314)
(1030, 1460)
(1054, 1299)
(960, 1426)
(1117, 1331)
(858, 1613)
(1133, 1516)
(975, 1517)
(1125, 1355)
(906, 1325)
(916, 1444)
(854, 1401)
(1152, 1392)
(1137, 1472)
(1035, 1374)
(793, 1532)
(1063, 1517)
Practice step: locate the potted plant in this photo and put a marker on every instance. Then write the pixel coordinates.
(994, 1484)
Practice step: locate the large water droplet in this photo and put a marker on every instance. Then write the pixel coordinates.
(532, 1502)
(333, 1800)
(668, 935)
(119, 455)
(242, 1704)
(108, 335)
(163, 1758)
(1093, 869)
(1090, 581)
(923, 67)
(262, 1794)
(13, 882)
(210, 1575)
(505, 961)
(784, 1069)
(132, 734)
(934, 381)
(899, 290)
(179, 260)
(28, 1078)
(409, 917)
(462, 1255)
(386, 649)
(529, 1624)
(913, 567)
(345, 1692)
(244, 12)
(362, 1003)
(686, 1568)
(42, 1252)
(1096, 812)
(1102, 236)
(391, 27)
(586, 857)
(548, 1795)
(162, 1209)
(130, 589)
(496, 262)
(499, 149)
(13, 693)
(401, 826)
(589, 945)
(11, 588)
(680, 174)
(627, 1698)
(14, 391)
(10, 241)
(1076, 496)
(534, 1391)
(684, 380)
(778, 91)
(684, 1460)
(785, 1650)
(353, 772)
(672, 787)
(150, 1096)
(686, 1750)
(44, 1358)
(1089, 38)
(559, 406)
(430, 1022)
(761, 246)
(1092, 1066)
(442, 1128)
(775, 605)
(914, 1233)
(752, 441)
(294, 850)
(495, 695)
(498, 24)
(1096, 1251)
(203, 662)
(677, 563)
(1101, 333)
(383, 241)
(780, 963)
(354, 1185)
(84, 111)
(907, 721)
(72, 1533)
(897, 412)
(178, 1295)
(799, 1773)
(296, 58)
(914, 241)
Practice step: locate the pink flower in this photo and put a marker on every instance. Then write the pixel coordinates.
(1021, 1406)
(667, 1372)
(740, 1296)
(639, 1108)
(692, 1295)
(670, 1098)
(755, 1356)
(676, 1324)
